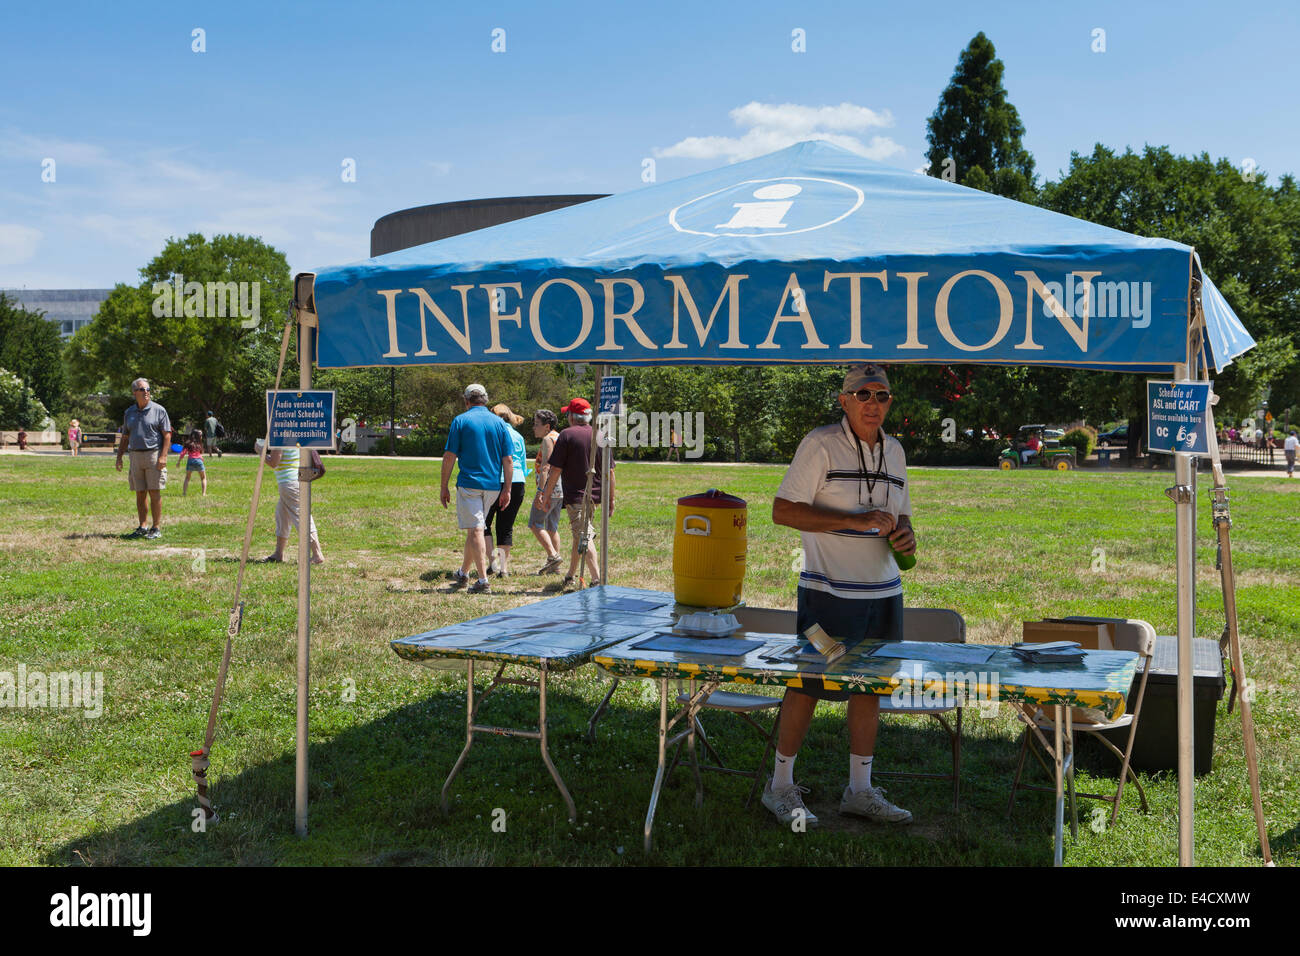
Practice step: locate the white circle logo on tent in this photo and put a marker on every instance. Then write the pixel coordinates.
(784, 206)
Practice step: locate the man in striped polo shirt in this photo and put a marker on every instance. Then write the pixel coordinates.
(846, 492)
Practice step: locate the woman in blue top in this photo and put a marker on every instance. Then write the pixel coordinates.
(506, 517)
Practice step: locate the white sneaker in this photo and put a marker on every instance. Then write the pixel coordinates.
(872, 805)
(787, 804)
(495, 565)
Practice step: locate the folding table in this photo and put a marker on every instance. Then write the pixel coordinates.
(551, 636)
(979, 673)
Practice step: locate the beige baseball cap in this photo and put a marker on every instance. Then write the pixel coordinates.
(860, 376)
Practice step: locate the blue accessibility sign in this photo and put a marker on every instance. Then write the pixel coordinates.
(609, 400)
(1178, 417)
(300, 419)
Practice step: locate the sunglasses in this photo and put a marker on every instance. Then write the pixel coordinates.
(880, 395)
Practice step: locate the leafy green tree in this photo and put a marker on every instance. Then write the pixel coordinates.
(432, 394)
(976, 131)
(365, 394)
(195, 359)
(799, 398)
(975, 136)
(30, 347)
(1247, 234)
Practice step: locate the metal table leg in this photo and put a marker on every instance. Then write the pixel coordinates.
(546, 756)
(469, 733)
(1058, 855)
(599, 711)
(692, 723)
(1069, 771)
(659, 774)
(540, 734)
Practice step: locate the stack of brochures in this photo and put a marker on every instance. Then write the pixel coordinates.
(1055, 652)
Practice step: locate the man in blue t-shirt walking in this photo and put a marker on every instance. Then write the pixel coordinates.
(479, 443)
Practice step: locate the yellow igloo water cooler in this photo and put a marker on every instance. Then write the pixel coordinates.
(709, 543)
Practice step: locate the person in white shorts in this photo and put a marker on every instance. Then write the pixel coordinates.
(286, 462)
(479, 448)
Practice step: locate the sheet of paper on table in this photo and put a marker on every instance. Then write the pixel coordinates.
(632, 604)
(715, 646)
(934, 653)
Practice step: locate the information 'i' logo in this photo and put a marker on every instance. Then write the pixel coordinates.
(783, 206)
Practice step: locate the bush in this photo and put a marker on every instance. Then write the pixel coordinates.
(19, 406)
(420, 443)
(1084, 440)
(979, 453)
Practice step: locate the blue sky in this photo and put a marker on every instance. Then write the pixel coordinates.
(151, 139)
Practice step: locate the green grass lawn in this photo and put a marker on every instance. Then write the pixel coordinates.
(151, 615)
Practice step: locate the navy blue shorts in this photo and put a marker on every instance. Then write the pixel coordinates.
(851, 620)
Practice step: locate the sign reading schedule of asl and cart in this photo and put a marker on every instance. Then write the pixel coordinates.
(1177, 414)
(300, 419)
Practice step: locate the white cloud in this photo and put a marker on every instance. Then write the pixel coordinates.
(17, 243)
(440, 168)
(768, 127)
(15, 144)
(113, 206)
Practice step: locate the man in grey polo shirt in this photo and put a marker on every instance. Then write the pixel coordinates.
(147, 435)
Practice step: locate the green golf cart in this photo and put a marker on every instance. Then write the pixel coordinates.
(1050, 454)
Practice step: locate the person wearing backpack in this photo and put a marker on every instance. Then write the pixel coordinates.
(212, 430)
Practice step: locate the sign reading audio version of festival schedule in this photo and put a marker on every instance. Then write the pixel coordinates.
(300, 419)
(1177, 417)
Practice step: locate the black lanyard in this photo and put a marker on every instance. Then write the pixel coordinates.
(879, 468)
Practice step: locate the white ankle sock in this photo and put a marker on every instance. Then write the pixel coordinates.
(783, 773)
(859, 772)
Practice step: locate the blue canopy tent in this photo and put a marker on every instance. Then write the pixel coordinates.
(808, 255)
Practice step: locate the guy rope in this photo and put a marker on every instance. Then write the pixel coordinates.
(199, 758)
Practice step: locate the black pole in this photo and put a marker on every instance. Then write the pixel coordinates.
(392, 411)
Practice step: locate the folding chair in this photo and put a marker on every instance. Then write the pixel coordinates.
(745, 705)
(932, 624)
(1129, 635)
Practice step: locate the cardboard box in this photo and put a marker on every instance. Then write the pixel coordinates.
(1091, 637)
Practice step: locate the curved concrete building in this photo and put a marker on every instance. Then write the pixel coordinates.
(421, 224)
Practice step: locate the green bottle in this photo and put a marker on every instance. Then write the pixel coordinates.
(905, 561)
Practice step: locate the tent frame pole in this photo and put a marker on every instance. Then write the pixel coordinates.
(1184, 495)
(604, 485)
(306, 324)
